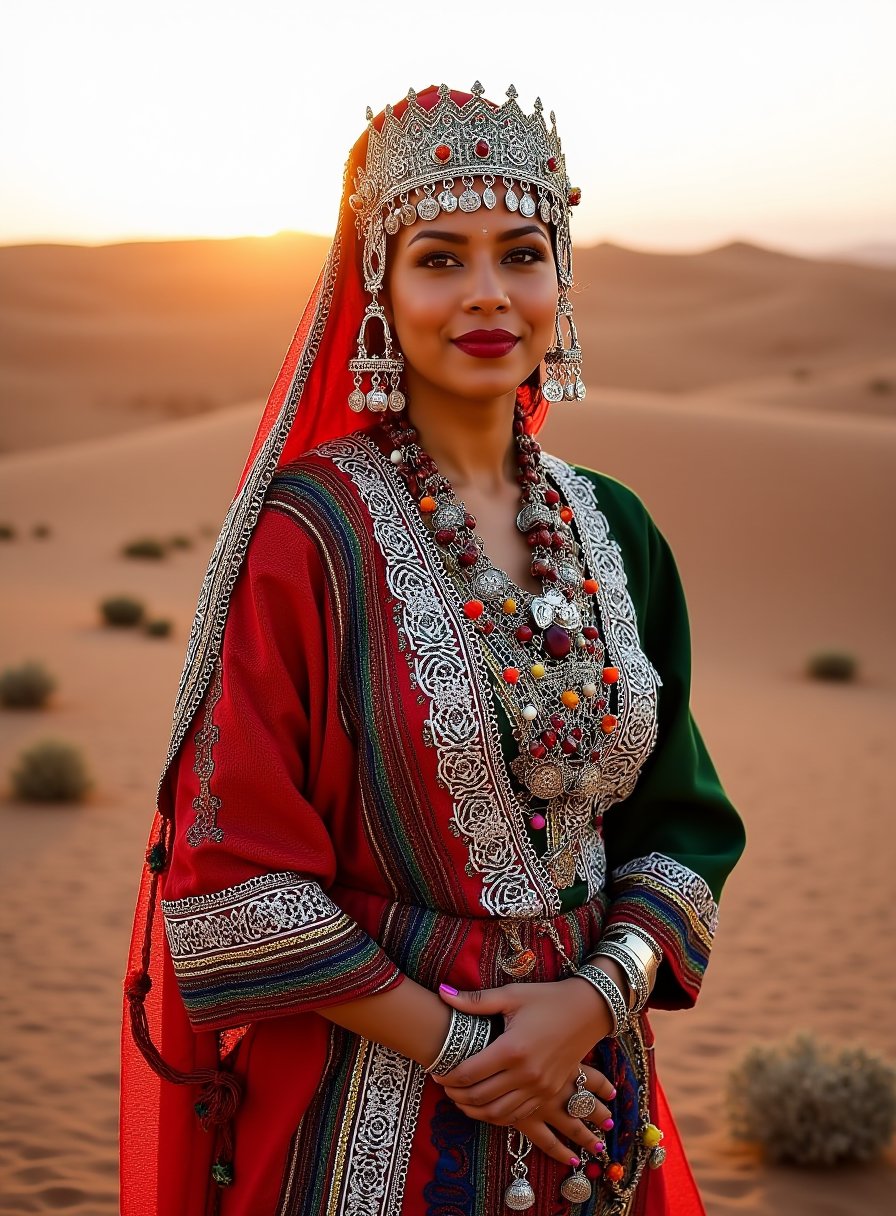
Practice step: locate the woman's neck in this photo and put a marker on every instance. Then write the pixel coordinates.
(470, 441)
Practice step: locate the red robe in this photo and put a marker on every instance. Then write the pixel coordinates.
(343, 816)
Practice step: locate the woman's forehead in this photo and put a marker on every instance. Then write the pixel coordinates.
(466, 227)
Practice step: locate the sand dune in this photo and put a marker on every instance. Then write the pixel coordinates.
(94, 341)
(781, 522)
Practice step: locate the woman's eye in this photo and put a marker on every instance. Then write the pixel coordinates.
(438, 261)
(524, 255)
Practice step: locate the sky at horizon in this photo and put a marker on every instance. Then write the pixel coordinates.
(686, 125)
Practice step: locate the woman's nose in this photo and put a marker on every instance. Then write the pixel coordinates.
(486, 292)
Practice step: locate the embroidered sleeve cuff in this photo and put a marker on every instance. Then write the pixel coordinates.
(273, 945)
(675, 906)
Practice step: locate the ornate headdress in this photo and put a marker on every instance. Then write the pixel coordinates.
(424, 157)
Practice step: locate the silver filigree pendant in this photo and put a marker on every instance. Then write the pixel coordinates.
(581, 1104)
(580, 389)
(511, 202)
(569, 391)
(428, 208)
(544, 209)
(469, 201)
(576, 1188)
(377, 401)
(356, 400)
(407, 214)
(392, 223)
(657, 1157)
(448, 201)
(527, 206)
(489, 198)
(519, 1196)
(396, 401)
(552, 390)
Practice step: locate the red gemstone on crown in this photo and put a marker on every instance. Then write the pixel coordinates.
(482, 148)
(552, 164)
(575, 196)
(441, 153)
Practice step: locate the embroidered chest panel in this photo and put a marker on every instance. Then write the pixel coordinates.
(450, 671)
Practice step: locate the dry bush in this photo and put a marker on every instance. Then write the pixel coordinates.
(158, 627)
(26, 687)
(122, 611)
(833, 665)
(145, 547)
(50, 771)
(807, 1105)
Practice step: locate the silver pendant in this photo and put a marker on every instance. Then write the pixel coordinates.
(544, 209)
(489, 584)
(569, 391)
(581, 1104)
(534, 513)
(657, 1157)
(448, 516)
(552, 390)
(580, 389)
(396, 401)
(545, 780)
(428, 208)
(392, 224)
(356, 400)
(519, 1196)
(408, 214)
(553, 609)
(377, 401)
(511, 202)
(576, 1188)
(469, 201)
(584, 782)
(489, 197)
(527, 206)
(555, 213)
(448, 201)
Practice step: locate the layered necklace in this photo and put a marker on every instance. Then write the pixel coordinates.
(546, 654)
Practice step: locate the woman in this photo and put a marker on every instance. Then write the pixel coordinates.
(436, 824)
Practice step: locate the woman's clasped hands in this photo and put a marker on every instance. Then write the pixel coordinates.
(527, 1075)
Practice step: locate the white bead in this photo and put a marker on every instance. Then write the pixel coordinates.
(581, 641)
(395, 456)
(590, 690)
(530, 713)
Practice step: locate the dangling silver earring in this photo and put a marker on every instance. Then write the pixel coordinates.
(564, 359)
(384, 370)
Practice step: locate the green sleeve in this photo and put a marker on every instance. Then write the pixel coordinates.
(672, 843)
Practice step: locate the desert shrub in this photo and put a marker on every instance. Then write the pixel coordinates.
(806, 1105)
(158, 627)
(880, 385)
(180, 542)
(147, 547)
(122, 610)
(40, 531)
(7, 532)
(26, 687)
(833, 665)
(50, 771)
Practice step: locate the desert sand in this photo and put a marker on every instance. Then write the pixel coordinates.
(776, 491)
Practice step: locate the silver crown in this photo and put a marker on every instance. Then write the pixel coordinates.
(415, 163)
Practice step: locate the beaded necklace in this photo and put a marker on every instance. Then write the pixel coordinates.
(545, 651)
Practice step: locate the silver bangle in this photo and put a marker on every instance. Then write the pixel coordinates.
(634, 969)
(609, 990)
(622, 928)
(467, 1035)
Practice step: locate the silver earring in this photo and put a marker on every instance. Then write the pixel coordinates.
(564, 359)
(384, 370)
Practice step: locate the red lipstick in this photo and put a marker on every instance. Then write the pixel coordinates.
(486, 343)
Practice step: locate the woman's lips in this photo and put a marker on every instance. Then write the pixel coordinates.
(486, 343)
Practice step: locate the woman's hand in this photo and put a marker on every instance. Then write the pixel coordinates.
(549, 1029)
(552, 1129)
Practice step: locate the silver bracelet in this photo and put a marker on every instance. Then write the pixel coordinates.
(637, 949)
(634, 969)
(467, 1035)
(609, 990)
(622, 928)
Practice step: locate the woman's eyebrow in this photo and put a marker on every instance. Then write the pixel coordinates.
(456, 238)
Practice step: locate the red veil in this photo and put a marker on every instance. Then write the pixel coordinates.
(164, 1164)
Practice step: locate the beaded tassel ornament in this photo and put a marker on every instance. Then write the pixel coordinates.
(426, 162)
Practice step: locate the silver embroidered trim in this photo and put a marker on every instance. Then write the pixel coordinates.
(687, 884)
(450, 672)
(379, 1150)
(635, 736)
(266, 908)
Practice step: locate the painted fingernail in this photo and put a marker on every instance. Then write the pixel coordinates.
(575, 1161)
(613, 1092)
(447, 988)
(607, 1125)
(598, 1146)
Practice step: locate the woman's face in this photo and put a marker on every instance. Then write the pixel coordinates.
(458, 283)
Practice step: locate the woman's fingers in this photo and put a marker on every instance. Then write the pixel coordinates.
(506, 1111)
(598, 1084)
(544, 1138)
